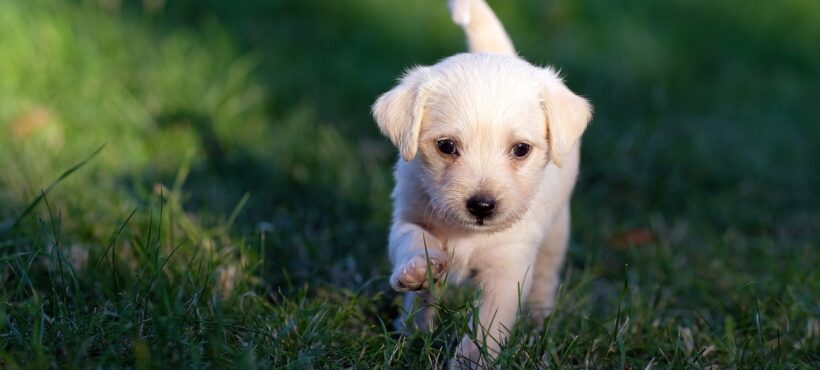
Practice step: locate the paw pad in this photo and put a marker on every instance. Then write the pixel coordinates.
(412, 275)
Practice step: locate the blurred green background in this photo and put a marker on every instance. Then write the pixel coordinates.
(248, 121)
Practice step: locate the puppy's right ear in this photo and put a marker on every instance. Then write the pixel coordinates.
(399, 111)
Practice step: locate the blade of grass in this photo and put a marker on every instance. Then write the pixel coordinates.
(111, 243)
(6, 228)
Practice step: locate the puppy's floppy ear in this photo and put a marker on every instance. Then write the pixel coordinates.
(399, 111)
(567, 115)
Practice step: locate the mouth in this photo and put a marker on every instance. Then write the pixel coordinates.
(480, 221)
(486, 225)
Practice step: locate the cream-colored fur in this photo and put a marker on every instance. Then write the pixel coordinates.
(486, 102)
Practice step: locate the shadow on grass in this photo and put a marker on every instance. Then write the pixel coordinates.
(311, 222)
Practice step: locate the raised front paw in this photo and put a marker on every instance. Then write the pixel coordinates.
(412, 274)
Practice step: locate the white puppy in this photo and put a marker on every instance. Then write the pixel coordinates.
(490, 150)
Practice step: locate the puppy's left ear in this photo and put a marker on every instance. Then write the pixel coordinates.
(399, 112)
(567, 115)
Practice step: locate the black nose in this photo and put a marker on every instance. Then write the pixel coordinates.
(481, 206)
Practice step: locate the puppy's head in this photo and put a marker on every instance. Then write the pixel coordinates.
(482, 128)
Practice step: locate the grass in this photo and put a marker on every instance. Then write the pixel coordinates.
(236, 216)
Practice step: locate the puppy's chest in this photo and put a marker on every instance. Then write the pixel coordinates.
(474, 255)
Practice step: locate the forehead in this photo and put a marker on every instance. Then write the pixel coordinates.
(485, 99)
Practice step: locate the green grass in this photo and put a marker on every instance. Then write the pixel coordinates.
(237, 213)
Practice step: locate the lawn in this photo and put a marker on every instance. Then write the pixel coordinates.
(199, 184)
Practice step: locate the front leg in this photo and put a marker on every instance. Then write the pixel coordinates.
(419, 306)
(547, 268)
(502, 290)
(412, 250)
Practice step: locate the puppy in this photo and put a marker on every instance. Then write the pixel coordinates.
(489, 155)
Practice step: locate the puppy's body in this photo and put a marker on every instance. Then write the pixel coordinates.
(490, 155)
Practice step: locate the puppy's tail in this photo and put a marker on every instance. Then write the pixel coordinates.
(484, 31)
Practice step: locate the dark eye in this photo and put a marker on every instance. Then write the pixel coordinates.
(521, 150)
(447, 146)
